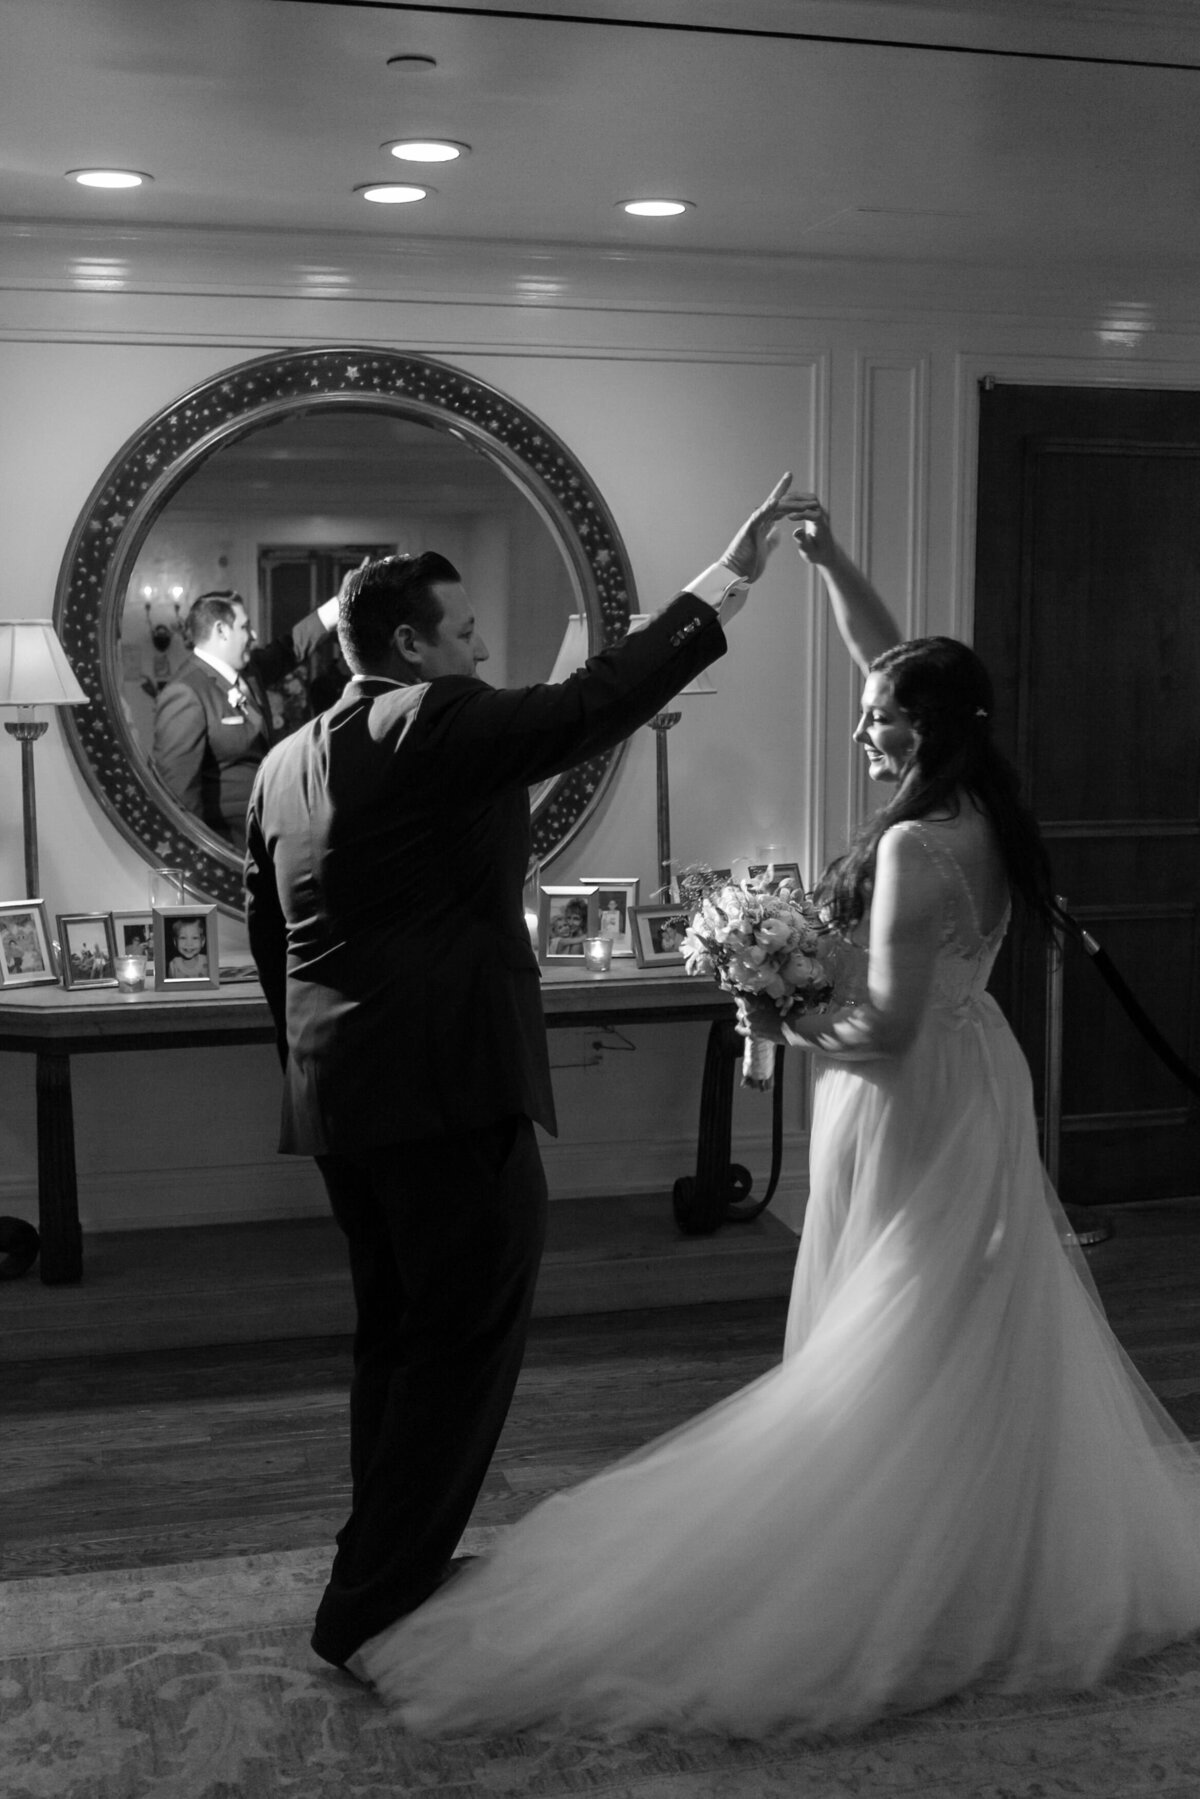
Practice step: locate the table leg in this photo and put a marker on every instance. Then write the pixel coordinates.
(58, 1197)
(702, 1203)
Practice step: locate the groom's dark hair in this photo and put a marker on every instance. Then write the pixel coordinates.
(381, 596)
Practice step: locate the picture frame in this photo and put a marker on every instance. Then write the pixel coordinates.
(88, 949)
(26, 953)
(566, 915)
(779, 871)
(185, 935)
(694, 883)
(616, 897)
(650, 925)
(133, 934)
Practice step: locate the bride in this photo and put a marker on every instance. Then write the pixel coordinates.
(954, 1476)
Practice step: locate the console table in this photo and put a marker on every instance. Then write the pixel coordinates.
(54, 1024)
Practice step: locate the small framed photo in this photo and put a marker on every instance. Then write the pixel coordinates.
(775, 873)
(88, 950)
(616, 896)
(26, 959)
(566, 915)
(133, 934)
(658, 933)
(185, 949)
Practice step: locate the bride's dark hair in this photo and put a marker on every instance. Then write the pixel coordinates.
(945, 692)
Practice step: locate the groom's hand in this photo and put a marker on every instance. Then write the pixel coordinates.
(747, 554)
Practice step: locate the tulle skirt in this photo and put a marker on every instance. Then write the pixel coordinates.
(955, 1476)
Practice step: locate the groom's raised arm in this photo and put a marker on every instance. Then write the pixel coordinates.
(867, 627)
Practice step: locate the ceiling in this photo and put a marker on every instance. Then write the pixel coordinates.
(326, 464)
(1016, 133)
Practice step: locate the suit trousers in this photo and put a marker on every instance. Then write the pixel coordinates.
(445, 1237)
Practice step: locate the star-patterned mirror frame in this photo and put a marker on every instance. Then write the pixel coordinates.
(161, 456)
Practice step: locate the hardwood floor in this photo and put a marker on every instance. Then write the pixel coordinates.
(255, 1283)
(125, 1460)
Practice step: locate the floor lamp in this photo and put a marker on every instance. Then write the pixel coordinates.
(660, 724)
(34, 671)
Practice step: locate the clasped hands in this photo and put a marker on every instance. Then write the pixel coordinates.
(747, 555)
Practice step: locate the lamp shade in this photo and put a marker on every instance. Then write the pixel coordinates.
(34, 670)
(573, 651)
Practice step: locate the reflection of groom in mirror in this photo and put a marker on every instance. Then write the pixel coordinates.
(212, 720)
(388, 847)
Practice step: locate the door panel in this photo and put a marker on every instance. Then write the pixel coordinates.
(1088, 615)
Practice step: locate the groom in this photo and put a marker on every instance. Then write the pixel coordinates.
(388, 846)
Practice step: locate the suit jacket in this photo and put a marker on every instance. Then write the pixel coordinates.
(389, 841)
(206, 750)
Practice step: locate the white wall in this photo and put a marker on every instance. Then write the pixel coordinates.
(684, 388)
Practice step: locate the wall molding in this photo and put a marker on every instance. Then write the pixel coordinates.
(290, 1187)
(554, 279)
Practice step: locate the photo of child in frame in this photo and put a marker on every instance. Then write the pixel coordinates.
(568, 928)
(612, 914)
(19, 944)
(188, 945)
(133, 939)
(133, 935)
(667, 934)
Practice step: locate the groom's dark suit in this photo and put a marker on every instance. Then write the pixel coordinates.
(388, 847)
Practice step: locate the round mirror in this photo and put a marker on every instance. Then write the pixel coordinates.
(273, 480)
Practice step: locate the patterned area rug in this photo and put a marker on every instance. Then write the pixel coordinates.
(196, 1682)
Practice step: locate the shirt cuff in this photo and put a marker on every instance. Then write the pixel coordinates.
(714, 584)
(327, 612)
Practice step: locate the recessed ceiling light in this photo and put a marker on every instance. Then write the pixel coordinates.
(656, 209)
(392, 193)
(426, 149)
(108, 177)
(416, 63)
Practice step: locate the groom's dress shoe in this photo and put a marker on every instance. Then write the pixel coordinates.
(353, 1664)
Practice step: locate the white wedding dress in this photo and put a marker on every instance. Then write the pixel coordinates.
(955, 1475)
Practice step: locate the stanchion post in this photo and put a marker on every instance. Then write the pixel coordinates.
(1088, 1231)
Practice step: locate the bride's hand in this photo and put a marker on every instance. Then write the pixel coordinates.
(758, 1017)
(814, 536)
(747, 554)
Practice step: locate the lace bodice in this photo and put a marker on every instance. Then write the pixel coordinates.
(966, 953)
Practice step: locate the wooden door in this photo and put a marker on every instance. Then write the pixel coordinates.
(1087, 612)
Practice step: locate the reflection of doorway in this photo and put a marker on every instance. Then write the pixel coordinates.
(1087, 606)
(292, 582)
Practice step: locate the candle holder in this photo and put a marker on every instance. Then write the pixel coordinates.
(597, 954)
(131, 974)
(167, 887)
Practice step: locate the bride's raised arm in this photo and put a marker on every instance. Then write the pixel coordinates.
(866, 625)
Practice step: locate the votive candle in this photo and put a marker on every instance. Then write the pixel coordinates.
(597, 954)
(131, 973)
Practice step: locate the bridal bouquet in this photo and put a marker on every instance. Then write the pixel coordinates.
(758, 941)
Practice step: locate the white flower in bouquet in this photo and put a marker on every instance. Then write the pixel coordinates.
(759, 943)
